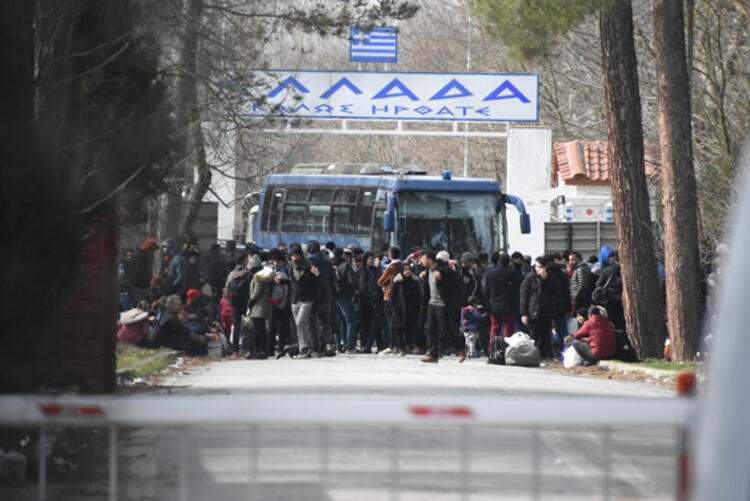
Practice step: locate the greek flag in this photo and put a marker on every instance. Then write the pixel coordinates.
(379, 45)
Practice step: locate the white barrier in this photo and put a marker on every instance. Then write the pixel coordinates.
(243, 409)
(324, 414)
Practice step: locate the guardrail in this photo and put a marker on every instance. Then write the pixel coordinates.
(461, 422)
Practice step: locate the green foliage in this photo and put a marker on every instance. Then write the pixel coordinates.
(324, 20)
(142, 362)
(529, 28)
(667, 366)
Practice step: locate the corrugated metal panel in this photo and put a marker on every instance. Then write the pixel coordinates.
(586, 238)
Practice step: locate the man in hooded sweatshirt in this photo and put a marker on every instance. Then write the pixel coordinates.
(305, 288)
(323, 327)
(141, 271)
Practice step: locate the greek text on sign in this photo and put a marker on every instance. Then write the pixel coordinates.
(465, 97)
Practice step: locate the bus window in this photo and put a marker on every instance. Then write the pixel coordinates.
(318, 218)
(363, 218)
(342, 219)
(452, 221)
(294, 218)
(346, 197)
(297, 194)
(321, 195)
(272, 209)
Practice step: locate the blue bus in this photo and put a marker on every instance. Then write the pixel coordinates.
(370, 205)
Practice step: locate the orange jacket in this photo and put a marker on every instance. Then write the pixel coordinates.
(385, 281)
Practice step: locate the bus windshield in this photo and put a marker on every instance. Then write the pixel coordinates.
(457, 222)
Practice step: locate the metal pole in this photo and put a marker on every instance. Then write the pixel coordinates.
(182, 461)
(324, 446)
(468, 68)
(112, 463)
(42, 463)
(536, 464)
(465, 462)
(395, 482)
(253, 492)
(607, 463)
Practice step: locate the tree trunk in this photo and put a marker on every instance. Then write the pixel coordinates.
(188, 118)
(641, 298)
(681, 259)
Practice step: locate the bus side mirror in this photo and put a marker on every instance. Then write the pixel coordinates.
(389, 223)
(525, 223)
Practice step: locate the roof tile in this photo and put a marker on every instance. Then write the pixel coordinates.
(587, 162)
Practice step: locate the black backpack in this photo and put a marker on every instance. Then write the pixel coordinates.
(624, 349)
(234, 290)
(496, 353)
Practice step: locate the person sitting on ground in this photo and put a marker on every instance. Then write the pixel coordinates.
(133, 327)
(173, 333)
(200, 320)
(595, 340)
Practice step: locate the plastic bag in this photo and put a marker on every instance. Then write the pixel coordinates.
(519, 338)
(571, 357)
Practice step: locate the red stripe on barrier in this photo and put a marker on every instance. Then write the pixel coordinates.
(91, 411)
(82, 411)
(458, 411)
(50, 410)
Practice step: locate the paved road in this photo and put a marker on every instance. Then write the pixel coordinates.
(394, 376)
(373, 460)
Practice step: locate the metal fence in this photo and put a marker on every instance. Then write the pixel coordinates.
(317, 447)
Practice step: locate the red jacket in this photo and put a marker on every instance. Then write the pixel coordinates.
(601, 338)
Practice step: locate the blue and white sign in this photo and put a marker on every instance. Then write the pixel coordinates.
(379, 45)
(464, 97)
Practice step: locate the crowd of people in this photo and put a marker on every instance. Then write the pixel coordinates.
(312, 300)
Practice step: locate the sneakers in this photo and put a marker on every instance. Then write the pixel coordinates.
(387, 351)
(351, 352)
(303, 355)
(429, 359)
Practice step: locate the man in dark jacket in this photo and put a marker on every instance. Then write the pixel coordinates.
(502, 287)
(306, 287)
(440, 284)
(238, 292)
(140, 271)
(216, 271)
(537, 306)
(557, 267)
(611, 280)
(405, 302)
(323, 328)
(580, 282)
(469, 278)
(344, 298)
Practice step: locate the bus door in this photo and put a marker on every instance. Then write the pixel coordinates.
(379, 235)
(270, 218)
